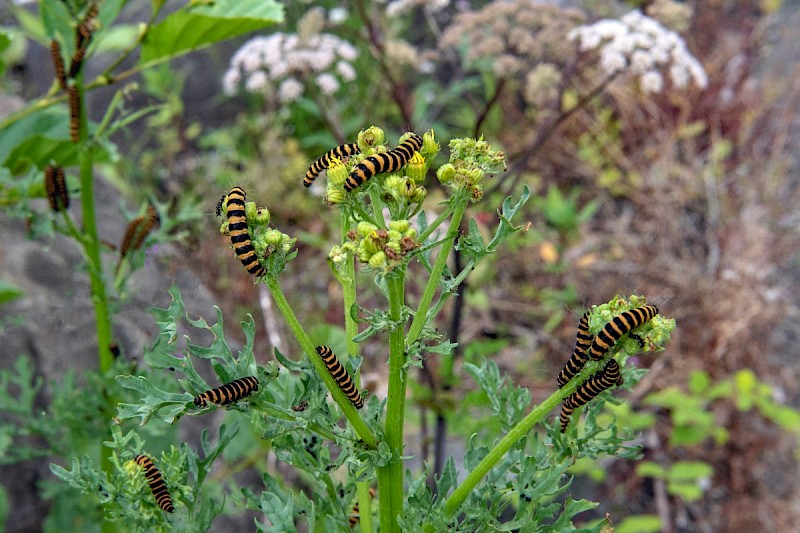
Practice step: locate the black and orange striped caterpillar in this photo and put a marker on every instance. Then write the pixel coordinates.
(386, 162)
(74, 113)
(342, 151)
(228, 393)
(156, 482)
(56, 187)
(58, 63)
(341, 376)
(355, 515)
(578, 358)
(83, 36)
(619, 326)
(137, 231)
(240, 235)
(608, 377)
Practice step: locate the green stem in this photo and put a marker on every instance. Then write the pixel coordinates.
(435, 224)
(515, 434)
(392, 505)
(421, 316)
(91, 249)
(364, 432)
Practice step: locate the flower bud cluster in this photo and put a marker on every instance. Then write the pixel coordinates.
(470, 161)
(643, 46)
(266, 241)
(380, 248)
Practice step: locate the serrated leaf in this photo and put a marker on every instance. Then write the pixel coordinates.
(278, 427)
(167, 406)
(200, 25)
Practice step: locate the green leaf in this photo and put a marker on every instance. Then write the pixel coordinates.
(650, 469)
(9, 292)
(699, 381)
(689, 470)
(639, 524)
(41, 137)
(116, 39)
(167, 406)
(200, 25)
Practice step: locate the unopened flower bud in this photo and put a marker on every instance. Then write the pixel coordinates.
(429, 144)
(377, 260)
(262, 216)
(370, 137)
(273, 237)
(335, 195)
(365, 228)
(394, 235)
(419, 195)
(399, 225)
(446, 173)
(250, 210)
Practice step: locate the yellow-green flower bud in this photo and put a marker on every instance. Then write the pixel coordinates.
(287, 244)
(410, 233)
(377, 260)
(363, 255)
(364, 228)
(371, 246)
(474, 176)
(370, 137)
(262, 216)
(429, 144)
(336, 254)
(399, 225)
(419, 195)
(337, 171)
(394, 246)
(394, 185)
(394, 235)
(273, 237)
(223, 228)
(335, 195)
(446, 173)
(250, 210)
(416, 169)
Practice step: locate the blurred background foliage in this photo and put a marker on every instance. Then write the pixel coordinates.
(686, 194)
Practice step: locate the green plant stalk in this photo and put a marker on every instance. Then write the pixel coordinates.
(364, 432)
(420, 317)
(392, 506)
(517, 432)
(91, 248)
(348, 283)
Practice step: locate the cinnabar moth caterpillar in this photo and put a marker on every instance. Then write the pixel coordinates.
(228, 393)
(240, 236)
(58, 63)
(74, 114)
(77, 61)
(156, 482)
(341, 376)
(300, 406)
(355, 515)
(606, 378)
(619, 326)
(387, 162)
(56, 187)
(345, 150)
(578, 358)
(137, 231)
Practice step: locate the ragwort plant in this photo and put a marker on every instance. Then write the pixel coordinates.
(514, 479)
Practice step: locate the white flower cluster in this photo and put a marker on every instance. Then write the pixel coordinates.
(279, 62)
(642, 44)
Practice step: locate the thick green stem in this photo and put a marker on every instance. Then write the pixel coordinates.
(421, 316)
(392, 506)
(364, 432)
(91, 250)
(514, 435)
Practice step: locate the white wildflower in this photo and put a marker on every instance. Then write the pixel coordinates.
(256, 82)
(346, 71)
(290, 90)
(327, 83)
(337, 15)
(230, 81)
(643, 45)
